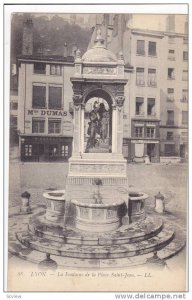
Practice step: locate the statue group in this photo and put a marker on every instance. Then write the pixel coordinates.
(98, 126)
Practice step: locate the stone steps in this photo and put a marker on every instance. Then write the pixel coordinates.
(126, 234)
(169, 244)
(34, 256)
(100, 251)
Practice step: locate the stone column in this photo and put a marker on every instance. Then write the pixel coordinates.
(114, 129)
(77, 126)
(82, 128)
(119, 120)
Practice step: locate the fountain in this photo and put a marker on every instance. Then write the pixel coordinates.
(96, 216)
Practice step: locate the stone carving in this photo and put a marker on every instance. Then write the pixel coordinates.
(84, 212)
(77, 99)
(99, 70)
(120, 100)
(98, 214)
(111, 214)
(99, 168)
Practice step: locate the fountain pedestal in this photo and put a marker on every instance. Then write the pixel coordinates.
(97, 217)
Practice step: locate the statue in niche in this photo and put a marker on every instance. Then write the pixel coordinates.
(103, 122)
(98, 129)
(93, 127)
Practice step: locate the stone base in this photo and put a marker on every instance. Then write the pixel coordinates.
(97, 227)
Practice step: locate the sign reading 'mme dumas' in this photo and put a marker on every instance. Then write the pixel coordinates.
(43, 112)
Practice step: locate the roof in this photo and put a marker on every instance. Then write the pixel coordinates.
(47, 58)
(98, 52)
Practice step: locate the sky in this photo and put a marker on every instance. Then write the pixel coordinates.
(143, 21)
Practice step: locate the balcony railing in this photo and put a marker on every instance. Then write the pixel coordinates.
(140, 82)
(184, 100)
(170, 122)
(152, 83)
(170, 98)
(139, 114)
(171, 57)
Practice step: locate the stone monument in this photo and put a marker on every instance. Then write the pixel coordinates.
(98, 96)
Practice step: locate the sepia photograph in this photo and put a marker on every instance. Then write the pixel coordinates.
(98, 151)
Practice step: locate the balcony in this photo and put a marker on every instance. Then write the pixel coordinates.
(171, 57)
(152, 83)
(170, 122)
(184, 100)
(139, 114)
(170, 98)
(140, 82)
(141, 52)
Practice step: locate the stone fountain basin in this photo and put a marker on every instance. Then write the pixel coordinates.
(97, 217)
(55, 205)
(136, 206)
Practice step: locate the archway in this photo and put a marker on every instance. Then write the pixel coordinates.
(98, 122)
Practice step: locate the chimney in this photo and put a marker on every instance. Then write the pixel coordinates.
(27, 47)
(170, 23)
(65, 54)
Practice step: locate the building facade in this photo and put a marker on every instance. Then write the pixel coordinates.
(45, 113)
(156, 94)
(13, 109)
(174, 96)
(156, 106)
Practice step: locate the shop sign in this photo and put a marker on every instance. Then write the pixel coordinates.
(43, 112)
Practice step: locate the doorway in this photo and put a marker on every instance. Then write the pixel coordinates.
(151, 152)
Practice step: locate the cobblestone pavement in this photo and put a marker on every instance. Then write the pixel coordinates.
(170, 180)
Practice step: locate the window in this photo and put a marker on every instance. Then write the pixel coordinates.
(152, 77)
(150, 132)
(170, 117)
(184, 95)
(13, 121)
(28, 150)
(185, 55)
(185, 41)
(170, 135)
(13, 105)
(185, 75)
(169, 149)
(55, 70)
(139, 106)
(171, 73)
(171, 54)
(170, 94)
(39, 68)
(38, 126)
(140, 76)
(139, 131)
(39, 96)
(152, 49)
(184, 117)
(140, 47)
(151, 106)
(65, 150)
(54, 126)
(55, 97)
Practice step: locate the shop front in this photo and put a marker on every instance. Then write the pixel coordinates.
(139, 149)
(40, 148)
